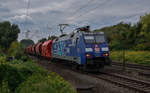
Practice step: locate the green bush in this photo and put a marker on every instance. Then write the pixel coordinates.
(1, 50)
(2, 59)
(51, 83)
(16, 72)
(140, 47)
(18, 76)
(11, 75)
(19, 64)
(4, 87)
(16, 50)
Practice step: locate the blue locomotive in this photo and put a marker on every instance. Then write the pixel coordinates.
(85, 49)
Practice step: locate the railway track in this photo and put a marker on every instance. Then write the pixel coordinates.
(139, 86)
(86, 89)
(132, 65)
(126, 82)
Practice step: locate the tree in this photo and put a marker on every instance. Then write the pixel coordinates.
(117, 35)
(26, 42)
(144, 32)
(130, 37)
(16, 50)
(8, 33)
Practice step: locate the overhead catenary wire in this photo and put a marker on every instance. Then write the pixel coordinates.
(119, 21)
(84, 6)
(89, 11)
(27, 10)
(86, 12)
(79, 9)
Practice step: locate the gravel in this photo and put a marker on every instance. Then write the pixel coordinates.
(82, 82)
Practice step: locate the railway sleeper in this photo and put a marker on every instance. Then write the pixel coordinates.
(125, 85)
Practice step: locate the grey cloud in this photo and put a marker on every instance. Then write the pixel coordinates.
(45, 15)
(4, 9)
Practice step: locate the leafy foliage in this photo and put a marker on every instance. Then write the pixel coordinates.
(8, 34)
(16, 50)
(4, 87)
(11, 75)
(26, 77)
(51, 83)
(2, 59)
(124, 35)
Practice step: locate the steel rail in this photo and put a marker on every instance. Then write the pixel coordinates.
(132, 65)
(124, 81)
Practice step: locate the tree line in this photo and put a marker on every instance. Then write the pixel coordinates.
(127, 36)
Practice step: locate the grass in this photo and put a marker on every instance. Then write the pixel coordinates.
(18, 76)
(138, 57)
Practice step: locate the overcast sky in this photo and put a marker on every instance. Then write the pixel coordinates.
(44, 15)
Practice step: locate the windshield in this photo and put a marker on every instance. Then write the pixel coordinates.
(89, 39)
(94, 38)
(100, 39)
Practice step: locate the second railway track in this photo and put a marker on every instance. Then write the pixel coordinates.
(132, 65)
(126, 82)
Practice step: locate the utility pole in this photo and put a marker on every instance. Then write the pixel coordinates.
(123, 54)
(124, 61)
(62, 27)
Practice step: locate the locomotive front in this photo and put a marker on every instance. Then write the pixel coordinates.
(96, 50)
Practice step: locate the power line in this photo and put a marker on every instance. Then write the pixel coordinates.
(84, 6)
(87, 12)
(98, 7)
(122, 19)
(27, 10)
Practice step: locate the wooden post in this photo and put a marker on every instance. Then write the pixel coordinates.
(124, 61)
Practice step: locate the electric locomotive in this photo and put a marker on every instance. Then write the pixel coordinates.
(85, 49)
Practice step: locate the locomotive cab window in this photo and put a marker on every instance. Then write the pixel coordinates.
(99, 38)
(94, 38)
(89, 39)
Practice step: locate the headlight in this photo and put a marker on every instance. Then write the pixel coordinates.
(105, 49)
(88, 55)
(106, 54)
(88, 49)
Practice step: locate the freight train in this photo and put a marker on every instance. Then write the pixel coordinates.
(83, 49)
